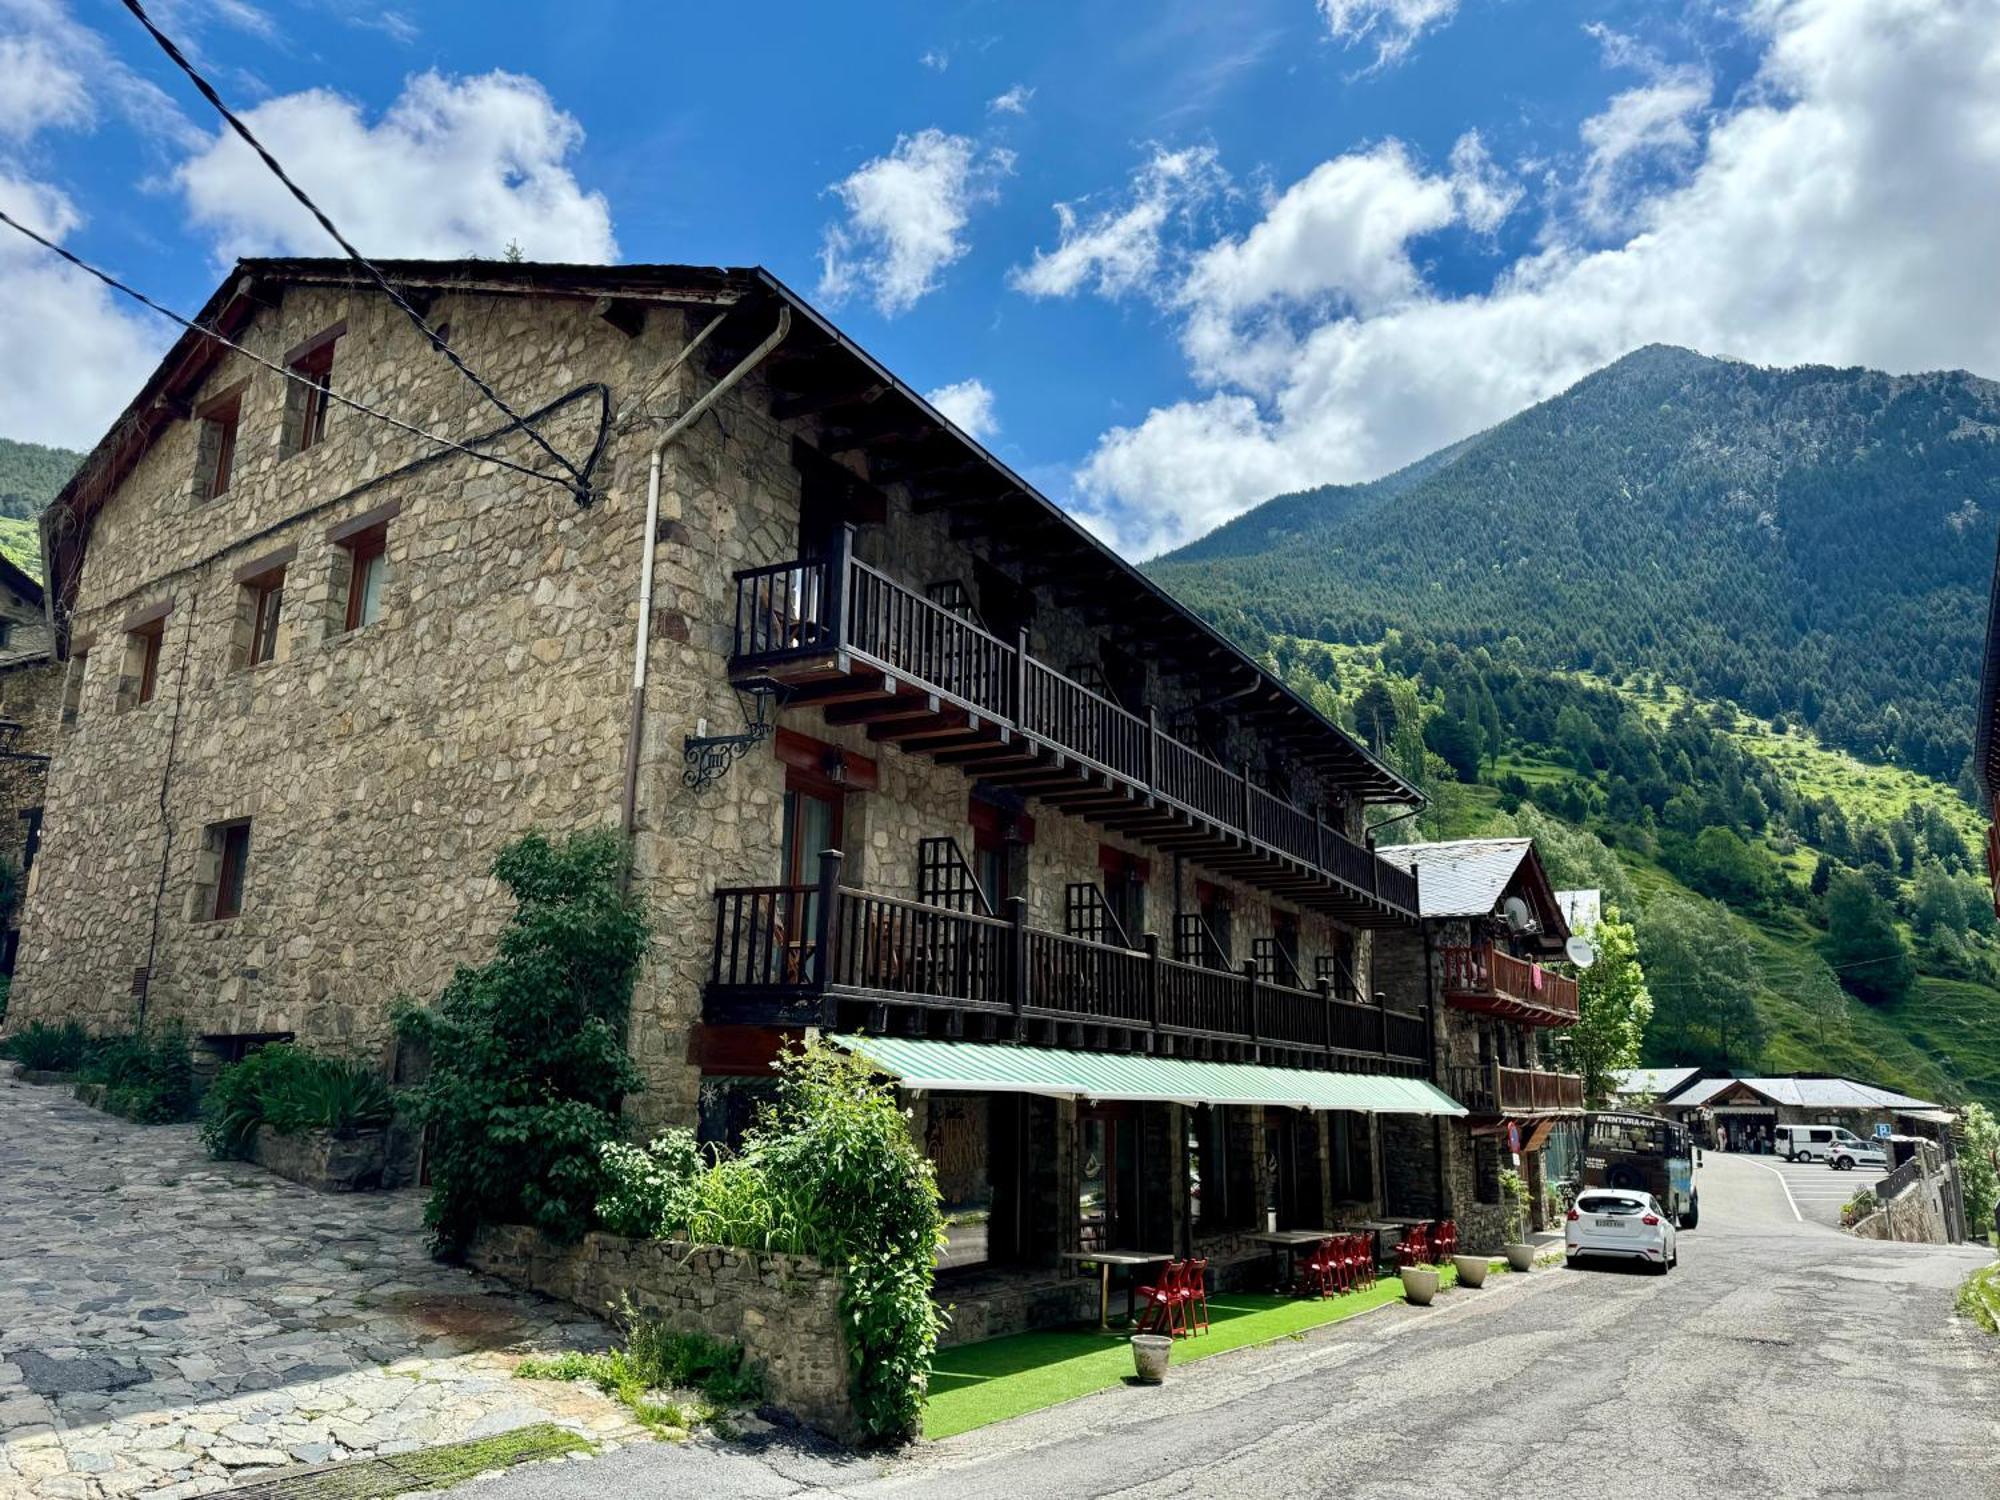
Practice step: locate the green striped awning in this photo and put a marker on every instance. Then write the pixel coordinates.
(1000, 1068)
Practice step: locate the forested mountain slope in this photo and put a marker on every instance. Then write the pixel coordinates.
(1812, 542)
(30, 475)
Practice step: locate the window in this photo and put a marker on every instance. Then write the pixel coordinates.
(215, 459)
(1285, 936)
(1001, 834)
(308, 400)
(1125, 877)
(812, 826)
(262, 597)
(230, 842)
(140, 679)
(367, 576)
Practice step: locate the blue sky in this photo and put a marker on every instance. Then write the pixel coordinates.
(1298, 241)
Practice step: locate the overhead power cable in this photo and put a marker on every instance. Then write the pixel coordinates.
(205, 331)
(578, 484)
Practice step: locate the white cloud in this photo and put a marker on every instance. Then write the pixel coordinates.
(936, 59)
(37, 89)
(1013, 102)
(1484, 193)
(969, 406)
(69, 356)
(1644, 126)
(1118, 249)
(1392, 25)
(906, 218)
(457, 166)
(1837, 212)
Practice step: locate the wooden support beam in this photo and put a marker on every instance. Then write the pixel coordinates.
(811, 403)
(844, 690)
(916, 706)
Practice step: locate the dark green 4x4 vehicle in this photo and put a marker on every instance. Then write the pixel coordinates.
(1642, 1153)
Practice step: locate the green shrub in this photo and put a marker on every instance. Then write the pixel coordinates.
(655, 1360)
(1857, 1208)
(49, 1049)
(527, 1066)
(831, 1171)
(148, 1077)
(291, 1090)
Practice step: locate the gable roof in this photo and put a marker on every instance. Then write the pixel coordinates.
(1470, 878)
(1803, 1093)
(28, 641)
(817, 369)
(1659, 1082)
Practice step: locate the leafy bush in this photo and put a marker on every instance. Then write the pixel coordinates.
(1979, 1168)
(291, 1090)
(1857, 1208)
(148, 1077)
(527, 1066)
(49, 1049)
(1514, 1194)
(830, 1171)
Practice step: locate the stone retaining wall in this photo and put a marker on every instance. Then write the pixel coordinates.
(783, 1309)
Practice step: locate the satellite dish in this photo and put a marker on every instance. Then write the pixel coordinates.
(1581, 952)
(1515, 910)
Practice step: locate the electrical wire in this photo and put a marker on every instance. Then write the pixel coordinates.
(581, 486)
(203, 329)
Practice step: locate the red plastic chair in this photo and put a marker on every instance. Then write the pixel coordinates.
(1444, 1240)
(1360, 1251)
(1165, 1303)
(1415, 1249)
(1195, 1283)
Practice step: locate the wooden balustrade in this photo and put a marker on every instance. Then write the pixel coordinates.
(775, 945)
(1493, 1090)
(839, 605)
(1483, 978)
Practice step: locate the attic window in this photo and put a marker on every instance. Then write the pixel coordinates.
(307, 394)
(215, 459)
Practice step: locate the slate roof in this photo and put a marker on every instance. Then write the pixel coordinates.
(1656, 1081)
(1461, 878)
(1805, 1093)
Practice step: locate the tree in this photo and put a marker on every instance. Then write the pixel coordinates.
(1722, 865)
(1824, 1000)
(1702, 975)
(1458, 742)
(1575, 858)
(1979, 1166)
(1822, 875)
(1614, 1007)
(1936, 905)
(1862, 943)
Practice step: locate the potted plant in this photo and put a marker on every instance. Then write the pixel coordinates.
(1150, 1353)
(1471, 1269)
(1514, 1194)
(1420, 1284)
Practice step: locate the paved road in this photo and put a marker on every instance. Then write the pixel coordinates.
(1817, 1191)
(1782, 1359)
(169, 1324)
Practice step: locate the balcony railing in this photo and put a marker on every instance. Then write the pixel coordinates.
(795, 613)
(794, 955)
(1482, 978)
(1494, 1090)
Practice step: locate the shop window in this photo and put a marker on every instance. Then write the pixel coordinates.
(215, 445)
(308, 394)
(1107, 1175)
(958, 1139)
(1211, 1205)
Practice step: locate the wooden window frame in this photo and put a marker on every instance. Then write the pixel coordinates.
(366, 551)
(151, 636)
(820, 788)
(221, 421)
(267, 594)
(311, 366)
(231, 869)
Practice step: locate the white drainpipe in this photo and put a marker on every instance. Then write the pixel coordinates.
(643, 635)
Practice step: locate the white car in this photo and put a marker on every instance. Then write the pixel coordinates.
(1847, 1155)
(1620, 1222)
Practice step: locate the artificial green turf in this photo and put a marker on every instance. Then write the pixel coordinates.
(976, 1384)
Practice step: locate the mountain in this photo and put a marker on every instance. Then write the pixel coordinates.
(30, 475)
(1812, 542)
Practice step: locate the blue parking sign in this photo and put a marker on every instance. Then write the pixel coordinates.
(1881, 1132)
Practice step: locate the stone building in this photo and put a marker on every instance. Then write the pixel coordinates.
(901, 749)
(1492, 926)
(30, 691)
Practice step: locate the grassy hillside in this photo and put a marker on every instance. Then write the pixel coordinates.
(22, 546)
(30, 476)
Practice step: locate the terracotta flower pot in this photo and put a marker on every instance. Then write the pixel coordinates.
(1521, 1257)
(1471, 1269)
(1420, 1284)
(1150, 1353)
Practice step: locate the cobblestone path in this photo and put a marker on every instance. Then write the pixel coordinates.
(170, 1325)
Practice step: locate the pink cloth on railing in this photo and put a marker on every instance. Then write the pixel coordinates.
(1537, 969)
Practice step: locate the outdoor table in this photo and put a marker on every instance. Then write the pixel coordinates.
(1104, 1260)
(1376, 1228)
(1289, 1242)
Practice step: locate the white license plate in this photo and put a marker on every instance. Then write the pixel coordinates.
(1610, 1223)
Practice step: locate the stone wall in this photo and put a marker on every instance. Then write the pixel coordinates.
(783, 1309)
(1923, 1206)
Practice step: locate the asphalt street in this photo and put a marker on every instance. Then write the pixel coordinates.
(1781, 1359)
(1816, 1190)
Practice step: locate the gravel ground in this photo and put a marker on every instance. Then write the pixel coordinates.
(171, 1325)
(1781, 1359)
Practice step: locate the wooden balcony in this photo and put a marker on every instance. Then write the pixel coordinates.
(839, 634)
(1494, 983)
(1493, 1091)
(832, 956)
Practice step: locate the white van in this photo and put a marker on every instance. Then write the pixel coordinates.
(1815, 1142)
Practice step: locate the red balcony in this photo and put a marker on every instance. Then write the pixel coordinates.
(1493, 983)
(1493, 1092)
